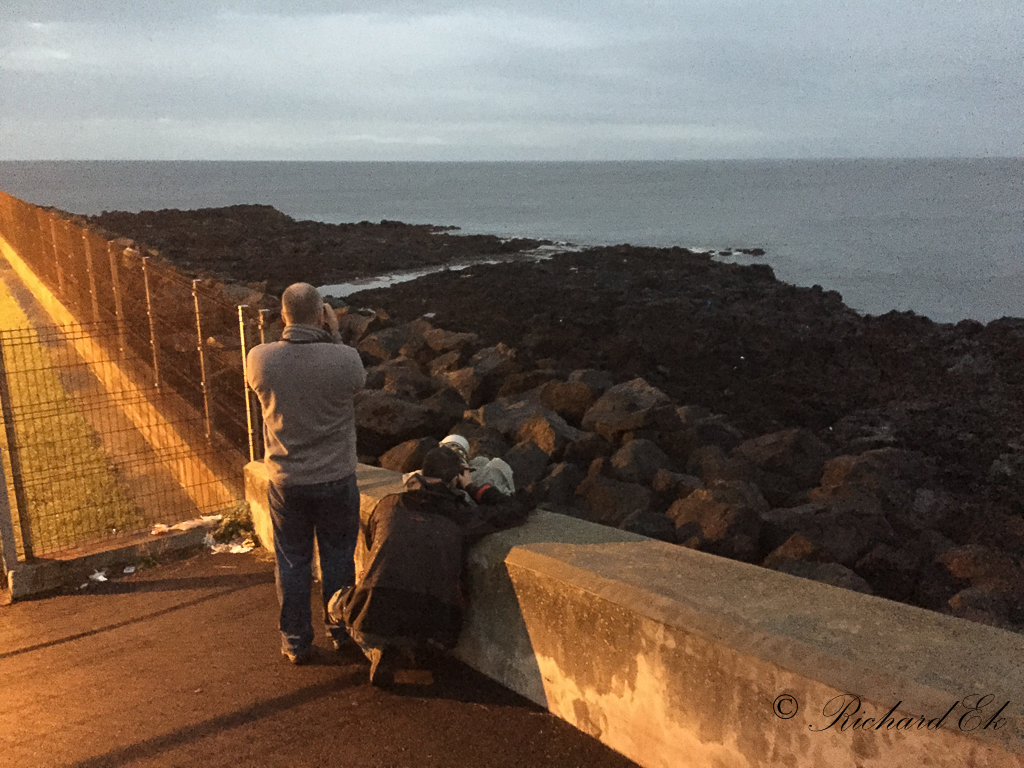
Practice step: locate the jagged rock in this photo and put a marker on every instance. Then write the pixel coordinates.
(467, 384)
(383, 345)
(569, 399)
(842, 533)
(892, 573)
(978, 564)
(597, 380)
(549, 431)
(498, 361)
(711, 430)
(626, 407)
(524, 381)
(559, 487)
(445, 363)
(674, 485)
(447, 341)
(509, 415)
(383, 421)
(930, 510)
(408, 382)
(653, 525)
(587, 447)
(610, 502)
(889, 475)
(999, 604)
(935, 586)
(415, 346)
(528, 463)
(1008, 468)
(446, 408)
(599, 466)
(779, 524)
(712, 464)
(689, 415)
(354, 325)
(789, 461)
(827, 573)
(638, 461)
(408, 456)
(865, 430)
(723, 519)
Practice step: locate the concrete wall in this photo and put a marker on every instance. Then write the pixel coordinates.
(678, 658)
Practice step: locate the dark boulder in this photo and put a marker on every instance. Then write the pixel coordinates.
(569, 399)
(891, 572)
(638, 461)
(595, 379)
(626, 407)
(549, 431)
(789, 461)
(408, 456)
(610, 502)
(528, 462)
(442, 341)
(587, 447)
(383, 345)
(653, 525)
(560, 484)
(383, 421)
(524, 381)
(723, 519)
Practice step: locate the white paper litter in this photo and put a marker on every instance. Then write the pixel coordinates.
(129, 569)
(206, 521)
(99, 576)
(237, 546)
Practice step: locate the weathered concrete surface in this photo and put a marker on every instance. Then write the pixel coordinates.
(45, 575)
(678, 658)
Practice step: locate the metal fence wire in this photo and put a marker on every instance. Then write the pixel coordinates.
(110, 420)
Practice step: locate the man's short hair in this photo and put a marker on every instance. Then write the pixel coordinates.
(442, 464)
(301, 303)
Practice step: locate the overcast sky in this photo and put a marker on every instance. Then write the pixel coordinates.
(510, 80)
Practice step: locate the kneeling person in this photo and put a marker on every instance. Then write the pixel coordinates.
(410, 595)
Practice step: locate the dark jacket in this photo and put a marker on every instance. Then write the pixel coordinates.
(417, 543)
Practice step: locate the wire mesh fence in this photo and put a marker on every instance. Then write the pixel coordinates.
(112, 419)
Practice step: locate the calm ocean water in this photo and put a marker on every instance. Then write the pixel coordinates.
(944, 238)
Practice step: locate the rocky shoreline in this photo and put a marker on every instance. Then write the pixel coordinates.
(662, 392)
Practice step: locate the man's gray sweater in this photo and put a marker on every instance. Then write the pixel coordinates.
(305, 383)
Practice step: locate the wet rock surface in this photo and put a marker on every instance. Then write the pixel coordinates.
(697, 402)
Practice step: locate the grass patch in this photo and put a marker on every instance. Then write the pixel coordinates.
(71, 491)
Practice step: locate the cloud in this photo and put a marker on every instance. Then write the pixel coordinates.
(489, 80)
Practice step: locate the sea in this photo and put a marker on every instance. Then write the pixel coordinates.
(940, 237)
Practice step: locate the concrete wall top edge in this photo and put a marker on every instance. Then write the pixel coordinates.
(875, 647)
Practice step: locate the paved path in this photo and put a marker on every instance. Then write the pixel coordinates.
(179, 665)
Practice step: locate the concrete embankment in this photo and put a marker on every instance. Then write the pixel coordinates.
(680, 658)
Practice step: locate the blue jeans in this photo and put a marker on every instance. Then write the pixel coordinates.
(330, 512)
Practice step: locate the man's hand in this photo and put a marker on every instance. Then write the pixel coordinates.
(465, 478)
(330, 319)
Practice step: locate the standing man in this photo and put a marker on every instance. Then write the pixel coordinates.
(305, 383)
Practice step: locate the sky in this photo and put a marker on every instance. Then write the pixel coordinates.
(509, 79)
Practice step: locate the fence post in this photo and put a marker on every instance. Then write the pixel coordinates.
(56, 255)
(92, 277)
(201, 348)
(15, 459)
(115, 282)
(152, 326)
(8, 548)
(245, 380)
